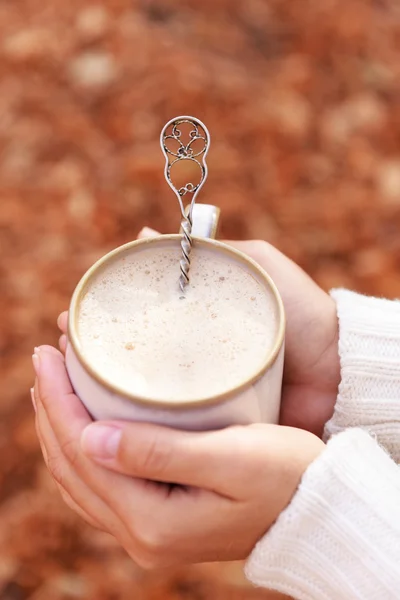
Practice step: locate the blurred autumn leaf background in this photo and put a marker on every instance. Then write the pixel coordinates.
(302, 101)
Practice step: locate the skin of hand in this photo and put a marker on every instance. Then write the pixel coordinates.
(169, 497)
(231, 485)
(312, 370)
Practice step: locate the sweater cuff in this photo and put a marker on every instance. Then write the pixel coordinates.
(369, 349)
(339, 538)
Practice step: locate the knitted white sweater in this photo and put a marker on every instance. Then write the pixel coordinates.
(339, 538)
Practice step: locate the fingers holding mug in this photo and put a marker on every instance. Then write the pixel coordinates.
(62, 322)
(74, 492)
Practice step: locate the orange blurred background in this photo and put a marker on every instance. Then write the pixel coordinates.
(302, 102)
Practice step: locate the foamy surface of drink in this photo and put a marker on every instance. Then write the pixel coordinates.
(137, 331)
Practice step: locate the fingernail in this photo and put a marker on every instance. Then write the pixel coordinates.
(147, 232)
(33, 398)
(101, 441)
(36, 361)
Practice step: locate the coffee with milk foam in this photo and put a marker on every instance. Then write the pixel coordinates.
(140, 334)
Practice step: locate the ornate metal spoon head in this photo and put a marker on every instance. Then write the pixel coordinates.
(178, 144)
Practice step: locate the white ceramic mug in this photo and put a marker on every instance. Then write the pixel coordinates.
(256, 399)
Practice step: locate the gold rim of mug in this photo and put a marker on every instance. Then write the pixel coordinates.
(73, 336)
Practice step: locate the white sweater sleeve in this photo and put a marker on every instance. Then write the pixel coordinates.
(339, 538)
(369, 348)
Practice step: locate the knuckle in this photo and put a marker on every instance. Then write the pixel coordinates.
(261, 250)
(258, 250)
(154, 544)
(154, 456)
(70, 450)
(56, 470)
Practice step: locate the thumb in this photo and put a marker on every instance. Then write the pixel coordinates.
(200, 459)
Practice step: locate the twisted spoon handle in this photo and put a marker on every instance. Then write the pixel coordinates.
(186, 247)
(194, 149)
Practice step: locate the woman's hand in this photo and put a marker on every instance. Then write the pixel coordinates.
(233, 483)
(311, 376)
(312, 370)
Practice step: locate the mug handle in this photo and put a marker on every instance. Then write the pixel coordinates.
(205, 220)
